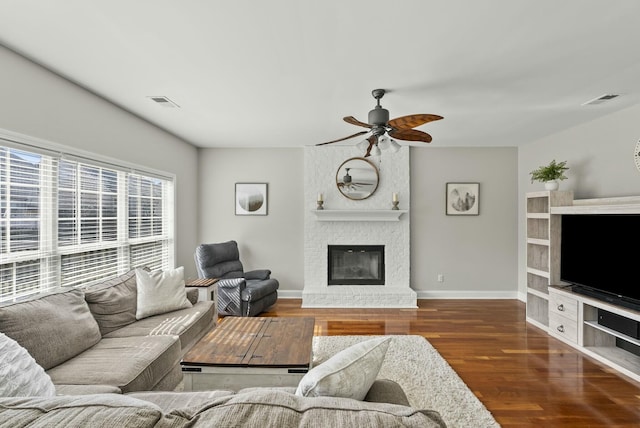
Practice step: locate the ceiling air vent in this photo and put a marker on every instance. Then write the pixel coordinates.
(601, 99)
(164, 101)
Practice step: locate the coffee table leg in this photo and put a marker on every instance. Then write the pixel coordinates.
(188, 381)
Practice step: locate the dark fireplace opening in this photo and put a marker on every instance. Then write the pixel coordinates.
(356, 265)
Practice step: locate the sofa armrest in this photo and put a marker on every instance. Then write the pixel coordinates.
(64, 389)
(192, 295)
(387, 391)
(258, 274)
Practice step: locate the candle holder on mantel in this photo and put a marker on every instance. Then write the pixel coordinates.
(395, 205)
(320, 207)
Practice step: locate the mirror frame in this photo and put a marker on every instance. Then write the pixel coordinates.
(356, 161)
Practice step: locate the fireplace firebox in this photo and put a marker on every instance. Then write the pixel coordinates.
(355, 265)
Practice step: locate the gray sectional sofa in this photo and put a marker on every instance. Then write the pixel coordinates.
(90, 340)
(255, 407)
(111, 370)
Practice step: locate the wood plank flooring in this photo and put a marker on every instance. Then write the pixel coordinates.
(522, 375)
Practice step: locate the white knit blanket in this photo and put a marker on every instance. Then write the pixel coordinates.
(20, 375)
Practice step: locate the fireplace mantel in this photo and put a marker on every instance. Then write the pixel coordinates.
(359, 215)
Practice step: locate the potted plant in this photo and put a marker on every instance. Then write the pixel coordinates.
(550, 174)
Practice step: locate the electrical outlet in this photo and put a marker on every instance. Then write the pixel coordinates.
(440, 277)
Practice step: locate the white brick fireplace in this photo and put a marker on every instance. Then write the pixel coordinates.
(369, 225)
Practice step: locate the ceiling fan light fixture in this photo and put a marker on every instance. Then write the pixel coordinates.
(394, 146)
(375, 150)
(384, 142)
(363, 145)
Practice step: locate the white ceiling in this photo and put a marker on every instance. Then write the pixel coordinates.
(283, 73)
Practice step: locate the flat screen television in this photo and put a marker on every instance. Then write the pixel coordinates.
(599, 256)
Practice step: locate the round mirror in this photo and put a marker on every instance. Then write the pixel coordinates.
(357, 178)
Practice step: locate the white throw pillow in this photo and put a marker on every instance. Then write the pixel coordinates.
(349, 373)
(20, 375)
(160, 292)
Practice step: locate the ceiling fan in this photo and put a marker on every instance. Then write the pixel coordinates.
(383, 130)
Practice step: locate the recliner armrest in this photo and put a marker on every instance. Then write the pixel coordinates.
(232, 283)
(258, 274)
(230, 296)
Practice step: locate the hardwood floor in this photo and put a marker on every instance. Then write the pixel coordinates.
(522, 375)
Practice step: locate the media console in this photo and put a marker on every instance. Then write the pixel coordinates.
(600, 329)
(603, 331)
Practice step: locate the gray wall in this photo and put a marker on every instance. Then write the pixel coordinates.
(38, 103)
(274, 241)
(477, 255)
(600, 157)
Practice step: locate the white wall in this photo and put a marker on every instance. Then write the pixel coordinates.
(600, 157)
(274, 241)
(38, 103)
(476, 254)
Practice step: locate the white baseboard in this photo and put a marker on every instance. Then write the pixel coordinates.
(466, 294)
(289, 294)
(439, 294)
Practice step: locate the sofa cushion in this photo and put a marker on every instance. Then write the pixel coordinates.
(130, 363)
(189, 324)
(160, 292)
(51, 327)
(260, 408)
(169, 401)
(102, 410)
(113, 302)
(20, 375)
(349, 373)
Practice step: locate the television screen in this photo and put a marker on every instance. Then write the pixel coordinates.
(599, 253)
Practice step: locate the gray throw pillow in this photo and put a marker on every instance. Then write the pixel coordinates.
(52, 327)
(113, 303)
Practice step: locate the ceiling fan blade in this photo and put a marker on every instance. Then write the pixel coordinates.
(352, 120)
(410, 135)
(413, 120)
(345, 138)
(372, 141)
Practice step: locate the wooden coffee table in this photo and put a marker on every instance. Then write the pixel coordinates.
(244, 352)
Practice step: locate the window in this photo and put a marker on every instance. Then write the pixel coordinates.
(75, 222)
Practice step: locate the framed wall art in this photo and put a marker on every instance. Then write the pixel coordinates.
(251, 199)
(463, 198)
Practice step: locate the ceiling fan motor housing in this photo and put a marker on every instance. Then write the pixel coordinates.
(378, 116)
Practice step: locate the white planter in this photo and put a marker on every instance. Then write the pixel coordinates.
(551, 185)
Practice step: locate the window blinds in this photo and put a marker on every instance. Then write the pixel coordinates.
(72, 223)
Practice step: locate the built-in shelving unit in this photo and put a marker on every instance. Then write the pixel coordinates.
(621, 205)
(543, 251)
(551, 305)
(359, 215)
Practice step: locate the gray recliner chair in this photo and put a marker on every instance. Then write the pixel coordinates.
(240, 293)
